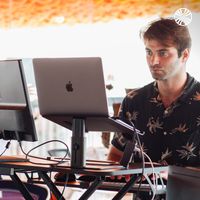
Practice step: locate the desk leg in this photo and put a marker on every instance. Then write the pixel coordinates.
(92, 188)
(126, 188)
(21, 186)
(51, 185)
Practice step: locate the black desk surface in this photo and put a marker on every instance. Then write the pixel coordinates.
(99, 168)
(92, 166)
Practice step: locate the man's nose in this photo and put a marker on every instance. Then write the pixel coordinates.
(154, 60)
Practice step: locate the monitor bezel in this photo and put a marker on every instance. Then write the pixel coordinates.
(17, 122)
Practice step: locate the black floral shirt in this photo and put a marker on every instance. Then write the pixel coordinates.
(171, 135)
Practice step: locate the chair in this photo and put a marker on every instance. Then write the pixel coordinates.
(9, 191)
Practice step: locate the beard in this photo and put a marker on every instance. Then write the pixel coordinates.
(163, 73)
(157, 72)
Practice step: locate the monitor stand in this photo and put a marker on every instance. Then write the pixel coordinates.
(128, 152)
(78, 143)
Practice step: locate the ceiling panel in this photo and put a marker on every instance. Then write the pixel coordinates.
(34, 13)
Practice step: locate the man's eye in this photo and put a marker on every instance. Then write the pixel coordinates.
(163, 53)
(148, 53)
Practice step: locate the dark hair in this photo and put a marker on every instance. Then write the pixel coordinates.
(168, 33)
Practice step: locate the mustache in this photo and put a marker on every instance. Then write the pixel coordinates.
(155, 66)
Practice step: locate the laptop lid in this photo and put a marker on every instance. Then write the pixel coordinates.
(70, 86)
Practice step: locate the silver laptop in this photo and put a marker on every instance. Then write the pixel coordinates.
(70, 88)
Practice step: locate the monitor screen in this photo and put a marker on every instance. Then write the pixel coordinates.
(183, 183)
(16, 119)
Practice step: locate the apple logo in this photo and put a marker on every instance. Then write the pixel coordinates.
(69, 87)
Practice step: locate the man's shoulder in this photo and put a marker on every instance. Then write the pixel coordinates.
(197, 83)
(192, 87)
(142, 91)
(193, 82)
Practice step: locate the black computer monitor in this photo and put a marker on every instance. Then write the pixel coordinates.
(16, 119)
(183, 183)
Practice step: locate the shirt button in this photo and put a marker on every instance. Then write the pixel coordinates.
(166, 112)
(165, 133)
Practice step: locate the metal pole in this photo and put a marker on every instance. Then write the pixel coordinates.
(78, 143)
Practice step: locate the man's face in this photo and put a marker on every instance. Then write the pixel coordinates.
(163, 61)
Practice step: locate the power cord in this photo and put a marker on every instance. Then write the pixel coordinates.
(56, 162)
(143, 155)
(155, 180)
(143, 160)
(6, 147)
(64, 187)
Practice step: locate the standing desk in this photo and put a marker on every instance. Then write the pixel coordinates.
(99, 169)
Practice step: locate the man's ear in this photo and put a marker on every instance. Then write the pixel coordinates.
(185, 55)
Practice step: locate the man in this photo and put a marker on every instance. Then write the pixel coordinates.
(168, 109)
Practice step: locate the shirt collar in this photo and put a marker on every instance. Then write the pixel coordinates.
(186, 91)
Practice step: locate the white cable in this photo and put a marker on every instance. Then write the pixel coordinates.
(155, 181)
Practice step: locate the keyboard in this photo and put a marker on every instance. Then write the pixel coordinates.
(115, 185)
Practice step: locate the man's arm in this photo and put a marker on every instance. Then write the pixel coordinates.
(114, 154)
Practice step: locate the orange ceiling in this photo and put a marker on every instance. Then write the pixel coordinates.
(34, 13)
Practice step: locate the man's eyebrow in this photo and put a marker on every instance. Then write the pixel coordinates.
(162, 50)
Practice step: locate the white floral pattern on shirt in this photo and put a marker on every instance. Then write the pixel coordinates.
(182, 128)
(166, 154)
(187, 151)
(154, 124)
